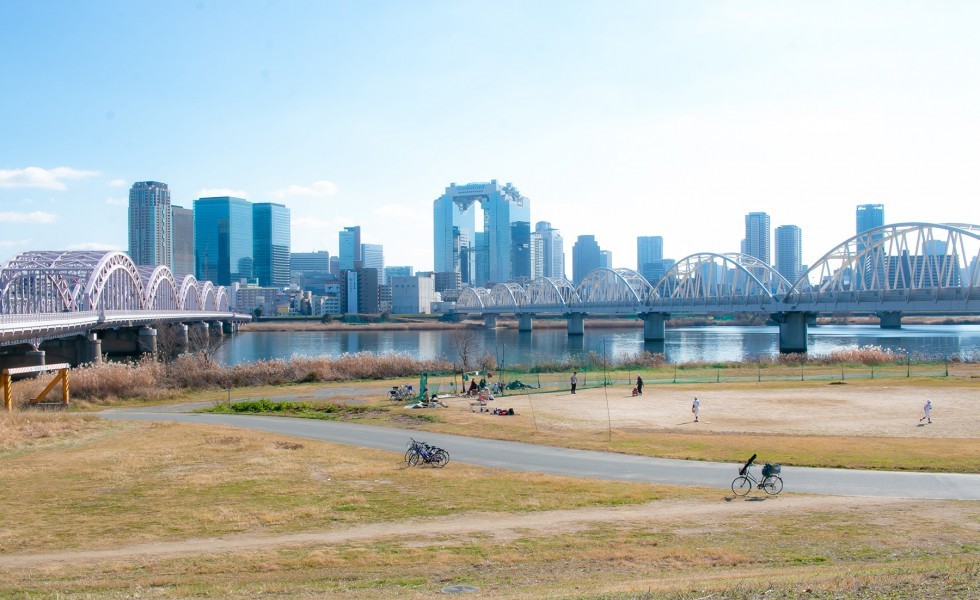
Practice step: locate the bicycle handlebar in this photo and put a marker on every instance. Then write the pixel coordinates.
(747, 465)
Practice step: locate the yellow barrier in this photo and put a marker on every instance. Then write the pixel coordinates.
(61, 378)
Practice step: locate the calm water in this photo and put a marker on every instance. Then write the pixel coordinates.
(682, 345)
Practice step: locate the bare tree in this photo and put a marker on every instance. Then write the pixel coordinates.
(169, 343)
(464, 341)
(206, 342)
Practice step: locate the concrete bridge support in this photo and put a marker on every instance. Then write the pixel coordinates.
(891, 319)
(792, 331)
(654, 326)
(524, 322)
(146, 340)
(76, 350)
(182, 333)
(576, 324)
(490, 321)
(217, 329)
(22, 356)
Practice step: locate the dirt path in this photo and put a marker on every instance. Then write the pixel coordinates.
(419, 532)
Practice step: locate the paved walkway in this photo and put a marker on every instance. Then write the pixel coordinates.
(583, 463)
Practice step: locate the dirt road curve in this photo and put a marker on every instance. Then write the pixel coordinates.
(423, 532)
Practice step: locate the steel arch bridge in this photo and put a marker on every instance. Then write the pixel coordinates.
(900, 268)
(47, 294)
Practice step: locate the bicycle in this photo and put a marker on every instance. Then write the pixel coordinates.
(420, 452)
(771, 482)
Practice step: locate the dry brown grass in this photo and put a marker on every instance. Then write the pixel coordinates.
(20, 430)
(193, 483)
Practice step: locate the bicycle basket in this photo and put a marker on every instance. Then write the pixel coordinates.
(770, 469)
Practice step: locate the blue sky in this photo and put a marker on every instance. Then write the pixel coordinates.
(616, 119)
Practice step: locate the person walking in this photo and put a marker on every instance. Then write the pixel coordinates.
(574, 380)
(696, 408)
(639, 386)
(927, 412)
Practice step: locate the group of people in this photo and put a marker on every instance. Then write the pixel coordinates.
(638, 391)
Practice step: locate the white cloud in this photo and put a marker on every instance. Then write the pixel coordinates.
(218, 192)
(117, 183)
(317, 223)
(13, 243)
(36, 177)
(319, 189)
(94, 246)
(117, 201)
(27, 217)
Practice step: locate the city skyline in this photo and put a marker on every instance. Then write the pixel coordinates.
(632, 120)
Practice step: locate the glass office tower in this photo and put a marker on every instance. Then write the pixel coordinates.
(789, 252)
(223, 239)
(586, 256)
(757, 236)
(270, 223)
(504, 210)
(183, 226)
(869, 216)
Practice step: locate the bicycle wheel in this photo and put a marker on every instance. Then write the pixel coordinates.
(416, 458)
(772, 485)
(409, 453)
(741, 486)
(440, 458)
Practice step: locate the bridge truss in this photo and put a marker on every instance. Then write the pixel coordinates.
(79, 281)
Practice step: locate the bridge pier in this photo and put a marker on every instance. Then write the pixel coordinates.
(890, 319)
(792, 331)
(182, 331)
(654, 329)
(490, 321)
(524, 321)
(146, 340)
(75, 350)
(576, 324)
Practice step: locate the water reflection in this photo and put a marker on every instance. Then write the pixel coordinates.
(508, 346)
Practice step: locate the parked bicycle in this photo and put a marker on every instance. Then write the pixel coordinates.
(400, 393)
(771, 483)
(422, 453)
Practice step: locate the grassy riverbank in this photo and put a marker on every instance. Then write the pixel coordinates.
(109, 510)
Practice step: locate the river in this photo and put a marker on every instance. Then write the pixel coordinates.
(686, 344)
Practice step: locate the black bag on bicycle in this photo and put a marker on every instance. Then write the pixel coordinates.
(770, 469)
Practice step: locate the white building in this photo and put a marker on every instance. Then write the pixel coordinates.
(412, 295)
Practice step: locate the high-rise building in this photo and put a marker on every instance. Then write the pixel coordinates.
(301, 262)
(454, 220)
(605, 259)
(183, 245)
(397, 271)
(359, 292)
(520, 251)
(223, 240)
(655, 269)
(586, 255)
(350, 248)
(537, 255)
(869, 216)
(335, 265)
(553, 250)
(270, 227)
(757, 236)
(649, 248)
(150, 224)
(311, 270)
(789, 252)
(373, 257)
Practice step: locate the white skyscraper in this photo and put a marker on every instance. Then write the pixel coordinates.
(150, 224)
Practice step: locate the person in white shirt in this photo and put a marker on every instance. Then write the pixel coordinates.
(696, 408)
(574, 380)
(927, 412)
